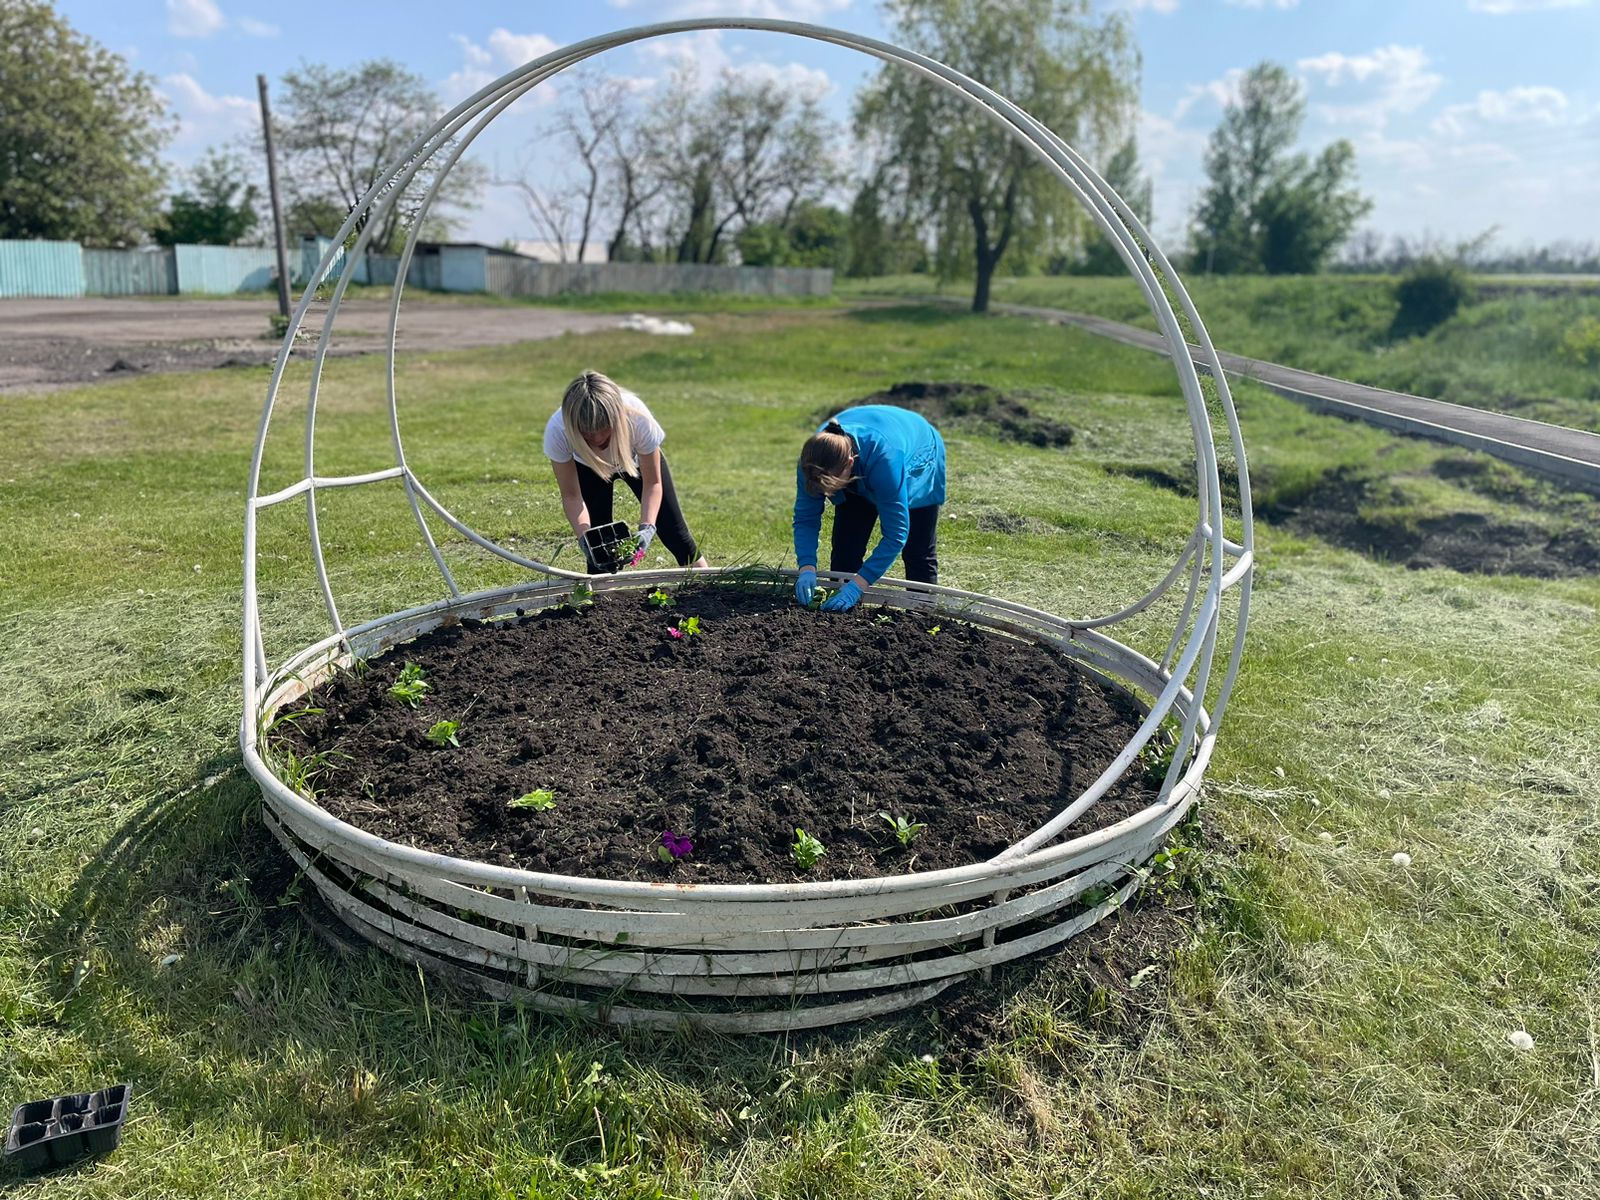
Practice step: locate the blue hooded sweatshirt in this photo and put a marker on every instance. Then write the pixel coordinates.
(899, 466)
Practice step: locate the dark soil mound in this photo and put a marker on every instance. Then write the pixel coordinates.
(950, 405)
(772, 717)
(1469, 542)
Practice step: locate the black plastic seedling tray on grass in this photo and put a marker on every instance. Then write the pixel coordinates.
(67, 1128)
(611, 547)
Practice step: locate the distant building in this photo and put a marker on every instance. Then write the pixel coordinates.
(593, 252)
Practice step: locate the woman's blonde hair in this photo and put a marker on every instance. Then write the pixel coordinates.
(594, 404)
(825, 460)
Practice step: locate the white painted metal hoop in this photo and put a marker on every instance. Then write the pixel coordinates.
(763, 956)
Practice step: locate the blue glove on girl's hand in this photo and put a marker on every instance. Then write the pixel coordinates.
(844, 599)
(805, 586)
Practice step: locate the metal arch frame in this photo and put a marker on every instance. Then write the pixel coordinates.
(551, 959)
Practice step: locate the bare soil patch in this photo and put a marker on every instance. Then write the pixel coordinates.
(771, 718)
(971, 405)
(49, 344)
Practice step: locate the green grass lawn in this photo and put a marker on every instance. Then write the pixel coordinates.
(1504, 351)
(1332, 1025)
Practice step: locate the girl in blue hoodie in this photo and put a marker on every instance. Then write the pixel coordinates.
(877, 464)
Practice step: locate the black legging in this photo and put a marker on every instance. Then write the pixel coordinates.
(853, 519)
(671, 528)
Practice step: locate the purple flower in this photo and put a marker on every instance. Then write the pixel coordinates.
(673, 847)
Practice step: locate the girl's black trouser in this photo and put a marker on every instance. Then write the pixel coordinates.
(853, 519)
(671, 528)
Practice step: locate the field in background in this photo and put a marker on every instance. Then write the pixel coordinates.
(1332, 1025)
(1507, 350)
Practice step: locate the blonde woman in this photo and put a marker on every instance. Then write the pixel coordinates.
(878, 465)
(600, 432)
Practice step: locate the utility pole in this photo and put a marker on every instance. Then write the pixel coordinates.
(277, 202)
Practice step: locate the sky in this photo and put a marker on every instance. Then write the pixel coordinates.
(1466, 115)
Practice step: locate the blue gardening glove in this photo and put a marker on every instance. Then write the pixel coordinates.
(844, 599)
(805, 586)
(647, 534)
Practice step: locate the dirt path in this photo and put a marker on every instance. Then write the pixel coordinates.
(49, 344)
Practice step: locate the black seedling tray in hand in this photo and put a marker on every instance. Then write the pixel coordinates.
(611, 547)
(67, 1128)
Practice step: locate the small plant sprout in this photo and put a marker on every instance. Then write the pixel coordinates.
(411, 686)
(819, 597)
(806, 850)
(582, 594)
(934, 632)
(905, 830)
(444, 733)
(542, 800)
(673, 847)
(883, 619)
(660, 599)
(689, 627)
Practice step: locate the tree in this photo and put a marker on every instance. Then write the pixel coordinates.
(958, 170)
(340, 132)
(566, 207)
(748, 152)
(1266, 209)
(80, 134)
(1123, 175)
(816, 235)
(217, 209)
(878, 244)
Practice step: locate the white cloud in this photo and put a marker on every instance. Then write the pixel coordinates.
(482, 65)
(514, 49)
(254, 28)
(193, 18)
(1280, 4)
(1222, 92)
(1535, 105)
(1500, 8)
(204, 119)
(1396, 78)
(1156, 6)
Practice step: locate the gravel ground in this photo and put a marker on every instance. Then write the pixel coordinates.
(49, 344)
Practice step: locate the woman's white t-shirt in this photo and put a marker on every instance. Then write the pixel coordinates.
(647, 432)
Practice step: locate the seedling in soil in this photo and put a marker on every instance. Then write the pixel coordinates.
(905, 830)
(660, 599)
(934, 632)
(806, 850)
(444, 733)
(542, 800)
(689, 627)
(673, 847)
(820, 597)
(411, 686)
(883, 619)
(582, 595)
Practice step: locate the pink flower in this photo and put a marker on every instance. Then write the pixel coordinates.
(677, 633)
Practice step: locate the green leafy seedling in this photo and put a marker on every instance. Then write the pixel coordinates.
(690, 626)
(806, 850)
(883, 619)
(582, 595)
(660, 599)
(905, 830)
(411, 686)
(444, 732)
(542, 800)
(820, 597)
(934, 632)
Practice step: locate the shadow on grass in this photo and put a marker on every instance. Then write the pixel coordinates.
(266, 1025)
(913, 314)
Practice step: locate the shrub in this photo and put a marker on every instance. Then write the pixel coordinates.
(1580, 344)
(1428, 295)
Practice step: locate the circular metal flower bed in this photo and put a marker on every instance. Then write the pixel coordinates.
(757, 957)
